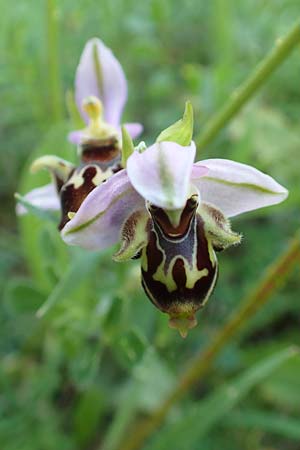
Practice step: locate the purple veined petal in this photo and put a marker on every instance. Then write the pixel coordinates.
(235, 188)
(134, 129)
(107, 81)
(44, 197)
(98, 222)
(161, 174)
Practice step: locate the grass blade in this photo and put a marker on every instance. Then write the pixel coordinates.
(202, 417)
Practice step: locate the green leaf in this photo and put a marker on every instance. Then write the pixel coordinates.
(76, 119)
(125, 414)
(151, 381)
(130, 347)
(276, 423)
(77, 272)
(111, 312)
(283, 388)
(181, 131)
(127, 146)
(88, 413)
(21, 296)
(201, 418)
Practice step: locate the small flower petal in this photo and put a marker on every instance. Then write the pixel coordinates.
(235, 188)
(134, 235)
(134, 129)
(100, 74)
(98, 222)
(44, 197)
(75, 137)
(161, 174)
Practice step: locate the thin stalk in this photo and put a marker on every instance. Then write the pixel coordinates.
(241, 95)
(274, 277)
(53, 72)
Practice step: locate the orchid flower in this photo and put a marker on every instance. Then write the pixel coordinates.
(173, 213)
(99, 159)
(99, 74)
(101, 93)
(162, 207)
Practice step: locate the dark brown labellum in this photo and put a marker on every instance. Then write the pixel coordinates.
(105, 152)
(76, 189)
(179, 265)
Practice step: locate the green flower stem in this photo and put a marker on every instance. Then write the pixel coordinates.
(273, 279)
(242, 94)
(54, 80)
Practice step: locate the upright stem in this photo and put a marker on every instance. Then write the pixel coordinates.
(54, 80)
(242, 94)
(273, 278)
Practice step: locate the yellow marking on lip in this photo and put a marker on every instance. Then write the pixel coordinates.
(101, 176)
(193, 274)
(78, 180)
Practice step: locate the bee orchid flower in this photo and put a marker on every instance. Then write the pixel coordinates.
(174, 214)
(99, 158)
(101, 94)
(99, 74)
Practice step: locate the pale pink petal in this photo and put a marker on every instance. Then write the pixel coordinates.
(97, 223)
(199, 170)
(161, 174)
(134, 129)
(44, 197)
(236, 188)
(108, 83)
(75, 137)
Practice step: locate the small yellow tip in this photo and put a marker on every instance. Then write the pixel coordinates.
(93, 107)
(183, 324)
(71, 215)
(183, 333)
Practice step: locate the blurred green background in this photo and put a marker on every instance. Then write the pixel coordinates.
(103, 355)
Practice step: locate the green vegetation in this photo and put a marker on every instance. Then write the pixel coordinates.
(84, 355)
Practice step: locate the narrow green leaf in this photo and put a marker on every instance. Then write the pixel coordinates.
(53, 66)
(127, 146)
(76, 273)
(151, 381)
(266, 421)
(77, 121)
(202, 417)
(21, 296)
(126, 411)
(88, 414)
(129, 348)
(181, 131)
